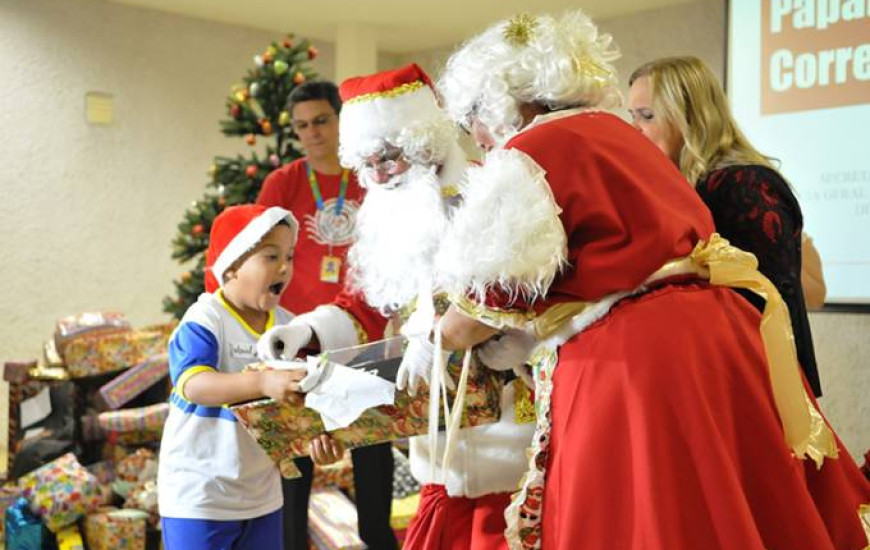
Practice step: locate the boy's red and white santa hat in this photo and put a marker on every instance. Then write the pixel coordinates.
(235, 232)
(398, 107)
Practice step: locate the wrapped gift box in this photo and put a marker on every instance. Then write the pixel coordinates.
(69, 328)
(134, 381)
(24, 531)
(61, 492)
(284, 430)
(93, 354)
(116, 530)
(338, 474)
(403, 512)
(332, 521)
(127, 426)
(9, 494)
(69, 538)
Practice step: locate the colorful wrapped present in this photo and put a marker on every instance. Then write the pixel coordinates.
(24, 531)
(338, 474)
(51, 355)
(8, 495)
(61, 491)
(143, 496)
(93, 354)
(332, 521)
(116, 530)
(284, 430)
(404, 483)
(139, 466)
(69, 538)
(69, 328)
(129, 426)
(15, 372)
(134, 381)
(403, 511)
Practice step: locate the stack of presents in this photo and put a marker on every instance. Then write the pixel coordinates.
(80, 430)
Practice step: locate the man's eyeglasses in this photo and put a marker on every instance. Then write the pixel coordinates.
(316, 122)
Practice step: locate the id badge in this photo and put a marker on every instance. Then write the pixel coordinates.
(330, 267)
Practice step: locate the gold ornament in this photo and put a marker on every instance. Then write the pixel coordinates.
(520, 29)
(284, 118)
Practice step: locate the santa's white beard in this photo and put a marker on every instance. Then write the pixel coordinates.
(397, 236)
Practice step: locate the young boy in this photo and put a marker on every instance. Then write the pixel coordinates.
(218, 489)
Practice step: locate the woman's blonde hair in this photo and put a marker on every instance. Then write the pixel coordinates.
(687, 95)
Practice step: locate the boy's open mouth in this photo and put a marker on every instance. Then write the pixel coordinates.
(276, 288)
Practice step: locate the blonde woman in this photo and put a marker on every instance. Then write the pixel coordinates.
(678, 103)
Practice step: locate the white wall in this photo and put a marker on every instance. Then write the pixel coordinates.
(87, 213)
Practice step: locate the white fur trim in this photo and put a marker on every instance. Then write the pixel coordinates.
(333, 326)
(507, 234)
(248, 238)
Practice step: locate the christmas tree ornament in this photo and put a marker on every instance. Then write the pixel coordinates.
(272, 50)
(222, 202)
(197, 230)
(250, 139)
(212, 170)
(258, 60)
(312, 52)
(274, 160)
(266, 126)
(241, 95)
(254, 88)
(186, 276)
(298, 78)
(235, 111)
(268, 57)
(280, 67)
(284, 119)
(287, 43)
(251, 171)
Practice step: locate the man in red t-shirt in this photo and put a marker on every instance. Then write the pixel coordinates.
(325, 198)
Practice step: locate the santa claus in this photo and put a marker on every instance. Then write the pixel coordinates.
(407, 155)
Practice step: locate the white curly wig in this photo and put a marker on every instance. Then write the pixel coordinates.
(558, 63)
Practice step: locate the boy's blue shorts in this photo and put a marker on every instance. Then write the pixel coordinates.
(262, 533)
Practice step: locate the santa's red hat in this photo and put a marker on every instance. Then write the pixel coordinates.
(398, 107)
(235, 232)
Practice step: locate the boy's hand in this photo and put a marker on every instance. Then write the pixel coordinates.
(325, 450)
(280, 385)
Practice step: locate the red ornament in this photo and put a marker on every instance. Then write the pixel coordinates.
(287, 43)
(235, 111)
(266, 126)
(251, 171)
(197, 229)
(298, 78)
(250, 139)
(312, 52)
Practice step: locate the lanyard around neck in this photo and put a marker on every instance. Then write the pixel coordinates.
(315, 190)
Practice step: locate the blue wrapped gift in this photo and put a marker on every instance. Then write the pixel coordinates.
(24, 530)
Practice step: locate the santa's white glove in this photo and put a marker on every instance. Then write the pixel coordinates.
(284, 342)
(417, 365)
(510, 349)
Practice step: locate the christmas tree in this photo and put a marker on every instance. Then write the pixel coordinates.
(256, 113)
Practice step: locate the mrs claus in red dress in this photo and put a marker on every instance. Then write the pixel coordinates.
(671, 414)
